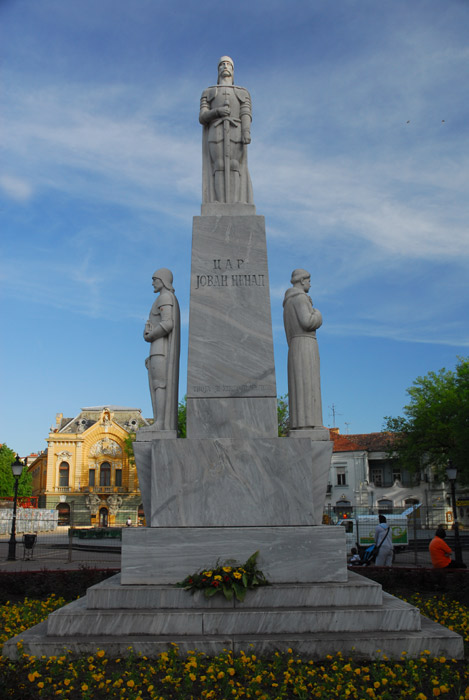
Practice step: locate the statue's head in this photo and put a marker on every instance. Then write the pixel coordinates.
(225, 70)
(301, 278)
(166, 278)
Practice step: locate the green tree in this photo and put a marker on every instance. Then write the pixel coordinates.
(283, 416)
(129, 448)
(7, 480)
(435, 425)
(182, 417)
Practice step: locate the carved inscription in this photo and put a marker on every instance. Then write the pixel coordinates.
(237, 279)
(229, 388)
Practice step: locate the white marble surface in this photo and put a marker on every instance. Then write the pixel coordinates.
(230, 327)
(286, 554)
(222, 209)
(252, 417)
(357, 591)
(438, 640)
(226, 482)
(77, 619)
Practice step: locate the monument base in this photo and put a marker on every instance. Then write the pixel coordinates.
(353, 617)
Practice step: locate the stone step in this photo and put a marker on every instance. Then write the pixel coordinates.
(358, 591)
(77, 619)
(438, 640)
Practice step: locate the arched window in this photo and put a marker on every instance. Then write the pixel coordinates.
(342, 508)
(385, 506)
(64, 514)
(411, 502)
(105, 474)
(64, 472)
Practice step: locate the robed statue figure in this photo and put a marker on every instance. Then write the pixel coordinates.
(225, 113)
(162, 331)
(301, 320)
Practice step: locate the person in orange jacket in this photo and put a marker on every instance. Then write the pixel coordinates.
(440, 552)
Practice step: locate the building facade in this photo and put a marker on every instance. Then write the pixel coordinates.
(86, 472)
(363, 478)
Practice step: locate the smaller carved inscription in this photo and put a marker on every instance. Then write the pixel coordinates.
(226, 264)
(229, 388)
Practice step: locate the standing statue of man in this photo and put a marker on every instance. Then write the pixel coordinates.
(225, 113)
(162, 331)
(301, 320)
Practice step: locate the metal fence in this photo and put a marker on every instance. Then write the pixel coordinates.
(412, 533)
(62, 547)
(65, 547)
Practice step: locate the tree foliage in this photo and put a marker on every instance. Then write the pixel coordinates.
(182, 417)
(435, 425)
(283, 415)
(7, 480)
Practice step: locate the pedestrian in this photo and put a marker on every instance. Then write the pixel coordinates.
(440, 552)
(383, 541)
(129, 522)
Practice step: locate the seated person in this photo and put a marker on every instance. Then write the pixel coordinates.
(355, 559)
(440, 552)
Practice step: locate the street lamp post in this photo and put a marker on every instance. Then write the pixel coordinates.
(16, 468)
(451, 473)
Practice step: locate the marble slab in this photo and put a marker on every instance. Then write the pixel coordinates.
(77, 619)
(230, 328)
(286, 554)
(232, 417)
(226, 482)
(222, 209)
(373, 645)
(357, 591)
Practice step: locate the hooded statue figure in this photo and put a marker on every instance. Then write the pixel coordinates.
(225, 114)
(162, 331)
(301, 320)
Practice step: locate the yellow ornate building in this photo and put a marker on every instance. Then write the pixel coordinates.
(86, 473)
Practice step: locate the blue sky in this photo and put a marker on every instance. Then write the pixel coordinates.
(359, 162)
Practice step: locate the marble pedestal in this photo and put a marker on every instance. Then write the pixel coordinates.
(316, 619)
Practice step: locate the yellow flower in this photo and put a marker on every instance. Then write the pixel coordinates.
(207, 573)
(237, 575)
(436, 692)
(227, 569)
(100, 653)
(84, 687)
(130, 684)
(192, 676)
(218, 578)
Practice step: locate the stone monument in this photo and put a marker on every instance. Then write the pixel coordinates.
(233, 487)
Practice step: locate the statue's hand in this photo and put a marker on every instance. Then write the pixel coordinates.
(224, 111)
(247, 138)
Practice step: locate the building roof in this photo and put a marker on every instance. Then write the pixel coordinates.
(128, 418)
(370, 442)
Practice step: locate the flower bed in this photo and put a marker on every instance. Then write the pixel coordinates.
(197, 676)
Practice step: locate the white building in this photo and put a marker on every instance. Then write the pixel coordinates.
(363, 478)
